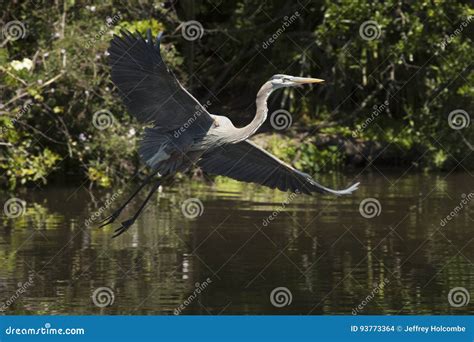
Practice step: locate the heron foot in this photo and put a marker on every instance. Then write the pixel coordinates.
(109, 219)
(124, 227)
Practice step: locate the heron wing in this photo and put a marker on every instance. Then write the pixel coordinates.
(247, 162)
(148, 88)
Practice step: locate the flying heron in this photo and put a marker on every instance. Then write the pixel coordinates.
(184, 133)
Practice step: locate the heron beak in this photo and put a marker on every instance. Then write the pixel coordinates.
(304, 80)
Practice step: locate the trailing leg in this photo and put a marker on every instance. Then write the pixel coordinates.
(111, 218)
(126, 224)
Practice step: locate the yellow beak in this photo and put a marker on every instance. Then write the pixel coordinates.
(304, 80)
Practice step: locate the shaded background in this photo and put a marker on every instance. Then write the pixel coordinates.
(417, 56)
(394, 114)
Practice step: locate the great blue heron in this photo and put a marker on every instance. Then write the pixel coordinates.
(184, 133)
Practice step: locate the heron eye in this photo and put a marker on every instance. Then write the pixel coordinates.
(285, 79)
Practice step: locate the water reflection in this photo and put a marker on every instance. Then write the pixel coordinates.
(321, 249)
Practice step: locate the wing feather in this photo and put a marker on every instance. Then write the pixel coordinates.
(148, 88)
(247, 162)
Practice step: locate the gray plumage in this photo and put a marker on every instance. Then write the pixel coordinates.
(184, 133)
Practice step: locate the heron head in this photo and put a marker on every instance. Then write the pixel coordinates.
(281, 81)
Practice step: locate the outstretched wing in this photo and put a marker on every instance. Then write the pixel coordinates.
(148, 88)
(247, 162)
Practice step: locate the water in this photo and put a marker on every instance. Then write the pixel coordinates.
(330, 258)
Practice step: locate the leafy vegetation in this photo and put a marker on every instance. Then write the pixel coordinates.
(55, 78)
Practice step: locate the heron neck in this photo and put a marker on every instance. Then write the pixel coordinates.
(260, 115)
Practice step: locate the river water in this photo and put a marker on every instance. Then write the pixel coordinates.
(387, 249)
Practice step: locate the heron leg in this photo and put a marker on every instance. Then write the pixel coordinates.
(111, 218)
(126, 224)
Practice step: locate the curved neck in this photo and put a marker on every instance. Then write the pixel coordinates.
(260, 115)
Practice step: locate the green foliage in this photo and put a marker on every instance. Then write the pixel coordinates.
(56, 78)
(25, 167)
(315, 160)
(305, 155)
(413, 65)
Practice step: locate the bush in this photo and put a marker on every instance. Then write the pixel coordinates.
(414, 56)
